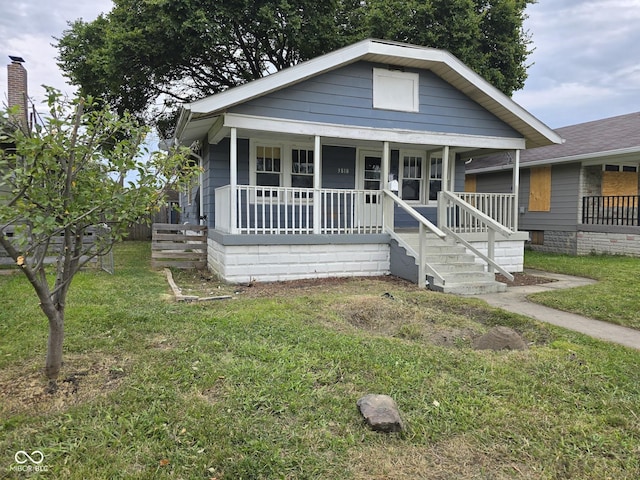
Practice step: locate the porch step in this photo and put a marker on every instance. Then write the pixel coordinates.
(477, 288)
(462, 275)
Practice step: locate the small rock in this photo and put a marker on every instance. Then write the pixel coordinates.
(500, 338)
(381, 413)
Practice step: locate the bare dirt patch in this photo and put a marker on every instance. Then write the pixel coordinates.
(370, 305)
(386, 315)
(24, 387)
(523, 279)
(203, 283)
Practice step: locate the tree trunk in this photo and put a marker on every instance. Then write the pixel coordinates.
(54, 344)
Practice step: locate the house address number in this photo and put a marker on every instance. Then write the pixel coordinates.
(343, 170)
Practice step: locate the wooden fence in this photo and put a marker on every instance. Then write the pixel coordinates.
(179, 246)
(55, 245)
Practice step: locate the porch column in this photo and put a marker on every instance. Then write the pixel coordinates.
(317, 186)
(445, 168)
(386, 165)
(233, 179)
(452, 171)
(388, 220)
(516, 190)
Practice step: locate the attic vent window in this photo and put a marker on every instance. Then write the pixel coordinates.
(395, 90)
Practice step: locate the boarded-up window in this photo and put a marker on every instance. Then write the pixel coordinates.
(619, 183)
(540, 189)
(470, 183)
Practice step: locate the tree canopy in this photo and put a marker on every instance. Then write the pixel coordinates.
(147, 55)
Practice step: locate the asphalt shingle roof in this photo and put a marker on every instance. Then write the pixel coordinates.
(606, 135)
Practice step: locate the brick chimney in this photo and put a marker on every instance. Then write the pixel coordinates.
(17, 89)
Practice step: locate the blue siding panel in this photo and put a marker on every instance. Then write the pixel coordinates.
(345, 96)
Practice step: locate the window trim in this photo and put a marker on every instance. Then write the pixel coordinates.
(253, 160)
(424, 170)
(428, 177)
(286, 160)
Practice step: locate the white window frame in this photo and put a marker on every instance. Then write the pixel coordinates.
(286, 160)
(253, 161)
(423, 174)
(297, 147)
(396, 90)
(429, 177)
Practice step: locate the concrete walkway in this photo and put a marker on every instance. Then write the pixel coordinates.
(514, 300)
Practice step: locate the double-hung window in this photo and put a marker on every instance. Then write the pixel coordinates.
(435, 177)
(301, 168)
(411, 177)
(268, 168)
(302, 171)
(274, 165)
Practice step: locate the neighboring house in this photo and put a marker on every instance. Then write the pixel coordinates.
(578, 197)
(349, 164)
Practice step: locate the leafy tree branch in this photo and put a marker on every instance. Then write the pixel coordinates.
(64, 180)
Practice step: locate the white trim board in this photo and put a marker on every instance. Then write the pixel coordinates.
(327, 130)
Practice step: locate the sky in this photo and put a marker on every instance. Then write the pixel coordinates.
(585, 66)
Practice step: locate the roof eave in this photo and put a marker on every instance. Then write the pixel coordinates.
(604, 155)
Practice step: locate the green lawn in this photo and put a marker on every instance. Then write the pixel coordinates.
(265, 386)
(616, 296)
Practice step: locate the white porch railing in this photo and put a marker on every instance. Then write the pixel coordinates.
(501, 207)
(289, 210)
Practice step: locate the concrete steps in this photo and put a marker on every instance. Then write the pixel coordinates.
(462, 275)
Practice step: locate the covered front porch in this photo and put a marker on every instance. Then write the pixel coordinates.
(321, 231)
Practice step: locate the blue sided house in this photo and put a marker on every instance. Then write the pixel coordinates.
(353, 164)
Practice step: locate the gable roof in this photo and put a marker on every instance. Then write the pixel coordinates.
(196, 118)
(608, 137)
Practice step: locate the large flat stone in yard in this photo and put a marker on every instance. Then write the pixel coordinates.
(500, 338)
(381, 413)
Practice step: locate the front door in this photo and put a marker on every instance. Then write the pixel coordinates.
(370, 178)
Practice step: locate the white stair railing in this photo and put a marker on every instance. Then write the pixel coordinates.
(390, 199)
(452, 211)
